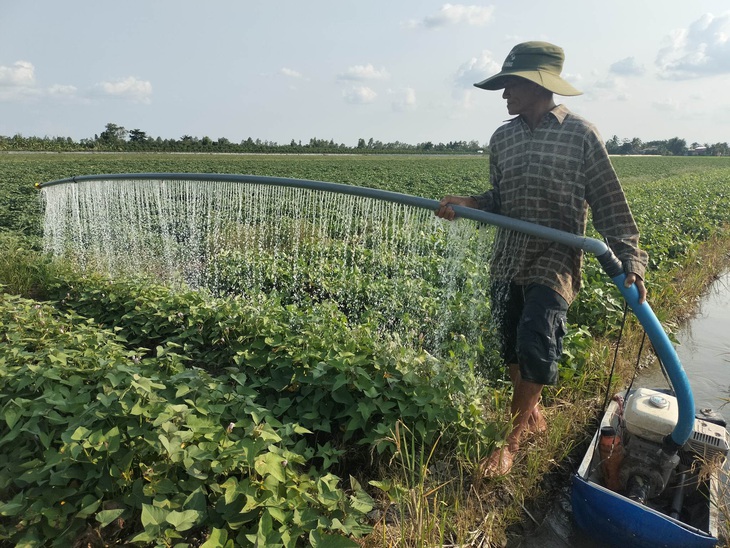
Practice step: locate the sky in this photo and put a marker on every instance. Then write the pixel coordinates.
(391, 70)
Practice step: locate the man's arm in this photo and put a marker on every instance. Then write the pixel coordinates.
(612, 215)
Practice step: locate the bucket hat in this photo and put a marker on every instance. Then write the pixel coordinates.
(539, 62)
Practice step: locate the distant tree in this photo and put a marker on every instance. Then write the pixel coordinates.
(137, 136)
(718, 149)
(474, 146)
(188, 142)
(677, 146)
(113, 135)
(613, 145)
(626, 147)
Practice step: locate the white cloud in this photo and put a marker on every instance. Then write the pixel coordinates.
(455, 14)
(363, 72)
(290, 73)
(18, 82)
(575, 79)
(139, 91)
(627, 67)
(476, 69)
(359, 95)
(464, 100)
(702, 49)
(405, 99)
(21, 74)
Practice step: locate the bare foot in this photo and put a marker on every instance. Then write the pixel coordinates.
(499, 463)
(536, 423)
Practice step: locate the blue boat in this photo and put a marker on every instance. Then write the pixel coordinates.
(679, 511)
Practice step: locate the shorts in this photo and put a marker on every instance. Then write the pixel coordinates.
(531, 322)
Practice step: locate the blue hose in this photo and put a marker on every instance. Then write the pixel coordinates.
(668, 356)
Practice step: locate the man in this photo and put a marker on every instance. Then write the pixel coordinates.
(547, 166)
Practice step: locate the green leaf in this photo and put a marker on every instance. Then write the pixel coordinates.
(13, 507)
(105, 517)
(80, 433)
(90, 506)
(319, 539)
(301, 430)
(182, 521)
(181, 391)
(271, 464)
(218, 538)
(12, 414)
(340, 380)
(153, 516)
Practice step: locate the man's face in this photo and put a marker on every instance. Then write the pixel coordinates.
(521, 94)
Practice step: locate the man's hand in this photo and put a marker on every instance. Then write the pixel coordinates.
(631, 279)
(445, 211)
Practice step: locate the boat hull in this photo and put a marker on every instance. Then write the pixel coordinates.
(611, 519)
(615, 520)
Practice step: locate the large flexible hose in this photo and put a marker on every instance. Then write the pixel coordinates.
(659, 339)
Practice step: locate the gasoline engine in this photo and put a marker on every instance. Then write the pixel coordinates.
(649, 460)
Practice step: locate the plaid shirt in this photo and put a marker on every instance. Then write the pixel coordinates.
(549, 176)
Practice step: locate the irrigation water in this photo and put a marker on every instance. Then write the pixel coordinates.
(423, 280)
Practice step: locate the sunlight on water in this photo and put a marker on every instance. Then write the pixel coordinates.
(425, 280)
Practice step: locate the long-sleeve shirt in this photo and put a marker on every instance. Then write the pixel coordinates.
(550, 176)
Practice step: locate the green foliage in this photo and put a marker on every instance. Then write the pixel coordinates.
(93, 434)
(140, 414)
(22, 271)
(137, 431)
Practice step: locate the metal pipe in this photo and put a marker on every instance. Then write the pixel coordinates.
(659, 339)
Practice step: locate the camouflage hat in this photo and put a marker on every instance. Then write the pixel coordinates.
(539, 62)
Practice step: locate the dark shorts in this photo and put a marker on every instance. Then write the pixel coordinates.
(531, 323)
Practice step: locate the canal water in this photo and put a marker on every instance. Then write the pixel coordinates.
(704, 351)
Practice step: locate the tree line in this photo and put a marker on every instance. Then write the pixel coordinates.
(116, 138)
(671, 147)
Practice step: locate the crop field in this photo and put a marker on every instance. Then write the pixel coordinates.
(132, 412)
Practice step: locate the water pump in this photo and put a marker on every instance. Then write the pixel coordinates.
(651, 461)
